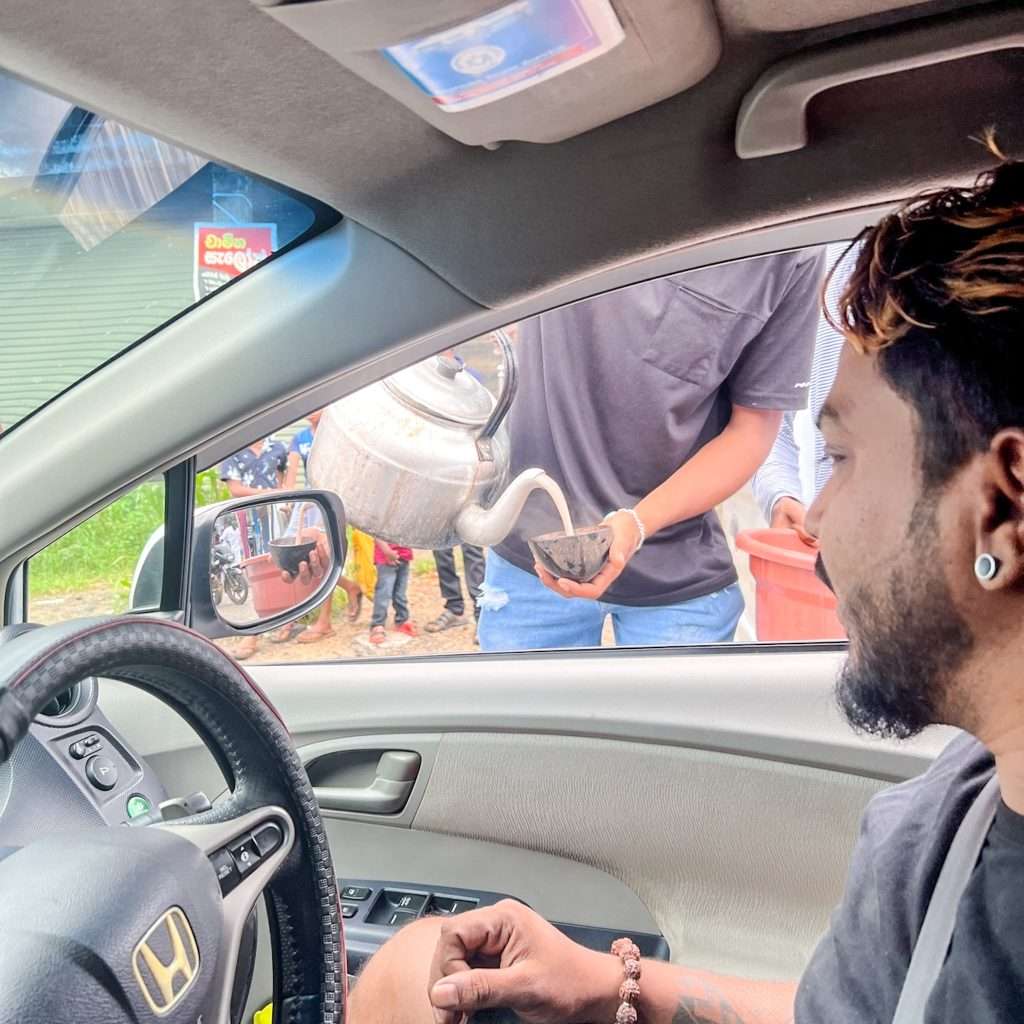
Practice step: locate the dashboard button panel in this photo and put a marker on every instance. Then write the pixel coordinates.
(241, 856)
(81, 748)
(245, 854)
(227, 873)
(101, 772)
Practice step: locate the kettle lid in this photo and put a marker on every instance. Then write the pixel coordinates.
(443, 388)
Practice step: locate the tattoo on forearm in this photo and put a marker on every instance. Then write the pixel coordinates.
(703, 1003)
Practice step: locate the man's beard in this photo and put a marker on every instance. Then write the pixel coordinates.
(907, 642)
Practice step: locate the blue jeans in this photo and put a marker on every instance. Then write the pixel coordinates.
(392, 583)
(518, 613)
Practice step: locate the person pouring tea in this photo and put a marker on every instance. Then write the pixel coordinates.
(649, 406)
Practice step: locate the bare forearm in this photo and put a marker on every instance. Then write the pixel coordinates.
(673, 995)
(715, 473)
(240, 490)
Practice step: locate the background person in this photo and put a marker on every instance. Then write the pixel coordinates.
(232, 536)
(298, 453)
(925, 421)
(454, 614)
(798, 467)
(473, 559)
(659, 401)
(255, 470)
(393, 566)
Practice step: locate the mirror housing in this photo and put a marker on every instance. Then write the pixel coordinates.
(268, 614)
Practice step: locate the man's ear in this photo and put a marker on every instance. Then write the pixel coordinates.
(1000, 521)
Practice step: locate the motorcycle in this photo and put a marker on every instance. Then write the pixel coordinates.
(227, 576)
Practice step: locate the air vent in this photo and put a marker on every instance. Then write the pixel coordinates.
(63, 704)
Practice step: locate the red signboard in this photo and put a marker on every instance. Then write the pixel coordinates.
(223, 251)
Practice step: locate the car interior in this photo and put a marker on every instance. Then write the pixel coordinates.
(702, 799)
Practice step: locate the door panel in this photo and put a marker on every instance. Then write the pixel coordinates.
(716, 792)
(738, 859)
(559, 888)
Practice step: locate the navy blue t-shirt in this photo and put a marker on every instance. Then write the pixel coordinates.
(257, 469)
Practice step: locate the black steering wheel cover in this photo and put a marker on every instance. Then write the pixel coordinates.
(250, 742)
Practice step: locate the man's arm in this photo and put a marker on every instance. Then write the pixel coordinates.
(549, 979)
(292, 472)
(441, 971)
(239, 490)
(675, 995)
(779, 476)
(715, 473)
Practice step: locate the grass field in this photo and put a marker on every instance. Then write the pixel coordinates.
(103, 550)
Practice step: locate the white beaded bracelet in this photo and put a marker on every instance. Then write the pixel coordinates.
(636, 519)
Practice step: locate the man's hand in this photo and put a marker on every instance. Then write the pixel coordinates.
(319, 561)
(509, 956)
(625, 541)
(389, 553)
(789, 514)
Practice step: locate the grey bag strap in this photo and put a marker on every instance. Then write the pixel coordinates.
(933, 940)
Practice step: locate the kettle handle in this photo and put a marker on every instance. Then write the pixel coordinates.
(505, 398)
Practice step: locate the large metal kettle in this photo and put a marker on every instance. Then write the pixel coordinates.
(421, 458)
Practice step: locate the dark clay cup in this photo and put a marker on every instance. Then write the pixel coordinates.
(288, 554)
(579, 556)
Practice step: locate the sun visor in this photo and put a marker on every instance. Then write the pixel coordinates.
(530, 70)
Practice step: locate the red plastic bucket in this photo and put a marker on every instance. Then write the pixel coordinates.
(270, 594)
(792, 603)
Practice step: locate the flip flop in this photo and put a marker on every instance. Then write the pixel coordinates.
(294, 629)
(313, 636)
(246, 651)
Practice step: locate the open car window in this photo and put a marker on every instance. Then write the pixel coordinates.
(612, 398)
(107, 233)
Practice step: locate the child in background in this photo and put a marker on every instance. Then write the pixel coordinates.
(393, 565)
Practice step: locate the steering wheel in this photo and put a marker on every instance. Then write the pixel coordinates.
(130, 923)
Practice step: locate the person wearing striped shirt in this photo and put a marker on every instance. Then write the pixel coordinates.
(797, 467)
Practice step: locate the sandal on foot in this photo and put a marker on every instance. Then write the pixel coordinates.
(314, 636)
(446, 620)
(247, 649)
(377, 634)
(286, 633)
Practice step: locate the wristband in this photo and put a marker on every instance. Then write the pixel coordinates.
(641, 529)
(628, 952)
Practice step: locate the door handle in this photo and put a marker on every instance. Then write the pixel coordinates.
(773, 116)
(387, 794)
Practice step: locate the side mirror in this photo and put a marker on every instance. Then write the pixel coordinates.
(260, 562)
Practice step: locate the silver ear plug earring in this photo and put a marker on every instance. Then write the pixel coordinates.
(985, 567)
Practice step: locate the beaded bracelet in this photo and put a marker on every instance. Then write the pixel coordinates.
(626, 950)
(640, 528)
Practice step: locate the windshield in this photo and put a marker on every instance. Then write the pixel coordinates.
(106, 233)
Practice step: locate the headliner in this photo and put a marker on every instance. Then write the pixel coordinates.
(229, 81)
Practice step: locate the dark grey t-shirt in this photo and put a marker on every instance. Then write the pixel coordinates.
(857, 971)
(618, 391)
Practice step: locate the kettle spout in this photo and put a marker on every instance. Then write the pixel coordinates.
(486, 527)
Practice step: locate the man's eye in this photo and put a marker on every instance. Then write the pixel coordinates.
(834, 456)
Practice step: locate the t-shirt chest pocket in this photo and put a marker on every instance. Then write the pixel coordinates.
(692, 337)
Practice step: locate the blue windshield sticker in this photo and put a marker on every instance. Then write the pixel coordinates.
(511, 49)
